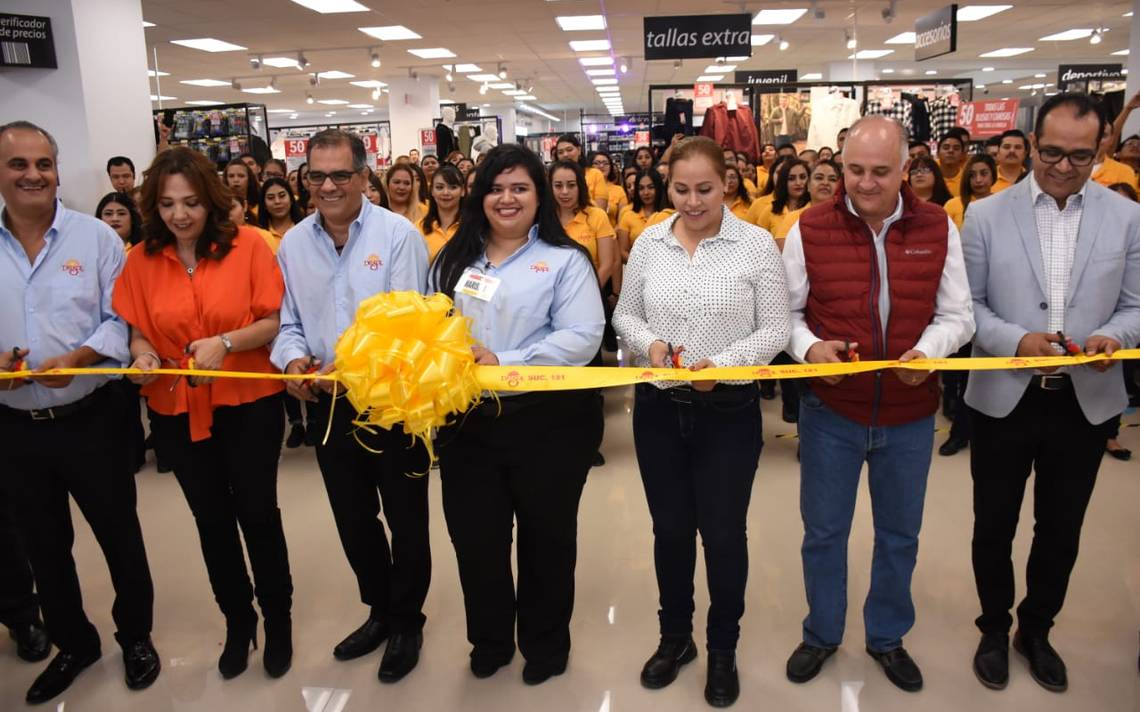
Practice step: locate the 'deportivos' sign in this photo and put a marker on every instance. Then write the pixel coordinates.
(936, 34)
(1088, 72)
(697, 36)
(767, 77)
(26, 41)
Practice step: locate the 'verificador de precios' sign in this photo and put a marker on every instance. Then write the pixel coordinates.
(698, 36)
(26, 41)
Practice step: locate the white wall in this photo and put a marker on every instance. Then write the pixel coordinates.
(97, 103)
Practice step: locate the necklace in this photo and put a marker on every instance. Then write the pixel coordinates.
(190, 271)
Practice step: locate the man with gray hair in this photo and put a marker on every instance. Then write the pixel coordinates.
(60, 434)
(875, 256)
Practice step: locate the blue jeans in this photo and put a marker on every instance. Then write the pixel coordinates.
(832, 451)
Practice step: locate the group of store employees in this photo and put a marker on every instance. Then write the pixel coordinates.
(875, 272)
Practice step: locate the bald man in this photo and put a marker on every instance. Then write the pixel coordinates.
(874, 255)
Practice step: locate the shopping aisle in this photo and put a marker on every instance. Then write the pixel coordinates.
(615, 619)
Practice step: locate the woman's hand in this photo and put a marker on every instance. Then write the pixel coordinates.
(208, 355)
(145, 362)
(703, 386)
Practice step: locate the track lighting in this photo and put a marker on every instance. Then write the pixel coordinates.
(314, 79)
(255, 62)
(502, 71)
(450, 88)
(412, 74)
(816, 11)
(235, 85)
(309, 98)
(782, 43)
(483, 88)
(889, 12)
(624, 66)
(375, 60)
(677, 64)
(849, 38)
(449, 77)
(302, 60)
(273, 83)
(1096, 36)
(376, 94)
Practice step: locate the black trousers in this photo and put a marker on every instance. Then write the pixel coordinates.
(698, 460)
(1046, 433)
(18, 604)
(527, 463)
(81, 456)
(134, 436)
(954, 394)
(230, 481)
(293, 412)
(393, 579)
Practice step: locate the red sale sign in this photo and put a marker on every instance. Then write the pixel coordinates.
(296, 147)
(371, 145)
(988, 118)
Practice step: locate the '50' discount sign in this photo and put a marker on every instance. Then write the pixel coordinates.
(295, 147)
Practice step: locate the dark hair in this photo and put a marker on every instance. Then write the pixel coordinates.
(610, 177)
(461, 251)
(1014, 133)
(783, 199)
(218, 234)
(941, 193)
(579, 178)
(278, 161)
(918, 144)
(826, 148)
(573, 141)
(962, 134)
(127, 202)
(1128, 190)
(378, 186)
(1125, 140)
(461, 160)
(252, 191)
(741, 190)
(952, 134)
(338, 137)
(395, 168)
(766, 145)
(659, 195)
(647, 149)
(303, 194)
(966, 190)
(450, 175)
(993, 141)
(247, 154)
(773, 172)
(421, 178)
(432, 156)
(784, 145)
(296, 214)
(120, 161)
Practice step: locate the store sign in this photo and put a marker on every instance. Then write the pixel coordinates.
(427, 142)
(295, 150)
(936, 34)
(26, 41)
(466, 113)
(769, 77)
(640, 138)
(1089, 72)
(988, 118)
(696, 36)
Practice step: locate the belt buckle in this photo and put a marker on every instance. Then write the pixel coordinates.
(42, 414)
(1057, 378)
(678, 395)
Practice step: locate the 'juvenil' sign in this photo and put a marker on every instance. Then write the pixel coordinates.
(696, 36)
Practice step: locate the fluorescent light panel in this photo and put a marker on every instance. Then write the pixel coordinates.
(328, 7)
(515, 92)
(335, 74)
(151, 24)
(972, 13)
(811, 76)
(205, 83)
(390, 33)
(578, 23)
(602, 81)
(500, 85)
(778, 17)
(483, 77)
(871, 53)
(904, 38)
(1007, 52)
(1068, 35)
(710, 77)
(432, 53)
(261, 90)
(467, 68)
(280, 62)
(205, 102)
(761, 40)
(1120, 53)
(601, 72)
(332, 102)
(162, 98)
(152, 73)
(590, 45)
(208, 44)
(281, 111)
(526, 97)
(596, 61)
(888, 71)
(719, 68)
(369, 84)
(360, 106)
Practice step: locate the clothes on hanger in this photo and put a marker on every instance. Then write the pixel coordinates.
(678, 117)
(899, 111)
(467, 135)
(830, 113)
(732, 129)
(943, 116)
(444, 140)
(919, 117)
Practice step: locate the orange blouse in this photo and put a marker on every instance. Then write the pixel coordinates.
(171, 309)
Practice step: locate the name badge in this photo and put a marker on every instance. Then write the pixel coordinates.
(478, 285)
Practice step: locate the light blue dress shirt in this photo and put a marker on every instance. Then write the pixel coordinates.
(60, 302)
(546, 311)
(384, 253)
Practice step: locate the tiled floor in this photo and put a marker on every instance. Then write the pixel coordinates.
(615, 619)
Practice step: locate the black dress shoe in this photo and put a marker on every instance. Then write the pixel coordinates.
(536, 672)
(240, 637)
(484, 666)
(296, 436)
(60, 673)
(599, 460)
(278, 655)
(723, 684)
(991, 661)
(1122, 453)
(361, 641)
(662, 668)
(806, 662)
(32, 642)
(401, 656)
(768, 390)
(900, 668)
(141, 664)
(791, 413)
(1045, 665)
(952, 446)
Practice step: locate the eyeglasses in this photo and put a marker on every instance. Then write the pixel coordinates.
(315, 178)
(920, 170)
(599, 164)
(1077, 159)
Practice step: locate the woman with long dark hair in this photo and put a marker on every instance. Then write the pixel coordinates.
(763, 203)
(277, 210)
(736, 197)
(585, 224)
(374, 191)
(615, 198)
(791, 193)
(979, 176)
(444, 205)
(120, 211)
(648, 199)
(240, 178)
(403, 194)
(569, 148)
(926, 180)
(203, 288)
(539, 304)
(643, 158)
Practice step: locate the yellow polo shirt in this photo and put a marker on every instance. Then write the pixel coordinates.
(954, 209)
(1113, 171)
(589, 226)
(761, 205)
(751, 188)
(782, 225)
(660, 217)
(739, 208)
(617, 201)
(597, 185)
(953, 182)
(633, 222)
(437, 238)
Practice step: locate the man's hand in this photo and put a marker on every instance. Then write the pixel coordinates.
(828, 352)
(145, 362)
(1098, 344)
(1133, 103)
(907, 376)
(659, 355)
(483, 357)
(208, 354)
(8, 362)
(703, 386)
(68, 360)
(1037, 343)
(300, 390)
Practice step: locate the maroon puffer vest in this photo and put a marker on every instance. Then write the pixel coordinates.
(843, 302)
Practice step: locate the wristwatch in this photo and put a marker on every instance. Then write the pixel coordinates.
(226, 342)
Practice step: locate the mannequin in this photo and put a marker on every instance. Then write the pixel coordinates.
(730, 100)
(485, 141)
(445, 132)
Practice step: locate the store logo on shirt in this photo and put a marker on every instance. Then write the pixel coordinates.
(72, 267)
(373, 262)
(916, 251)
(540, 267)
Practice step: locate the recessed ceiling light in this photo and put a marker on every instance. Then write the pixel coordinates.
(205, 83)
(603, 81)
(281, 111)
(601, 72)
(1007, 81)
(360, 106)
(778, 17)
(524, 97)
(369, 84)
(332, 102)
(931, 72)
(972, 13)
(590, 45)
(446, 101)
(1007, 52)
(596, 61)
(335, 74)
(390, 33)
(154, 97)
(151, 24)
(1121, 53)
(979, 86)
(811, 76)
(719, 68)
(888, 71)
(205, 102)
(208, 44)
(467, 68)
(483, 77)
(432, 53)
(987, 69)
(280, 62)
(152, 73)
(903, 38)
(1127, 14)
(871, 53)
(1039, 76)
(761, 40)
(328, 7)
(710, 77)
(500, 85)
(576, 23)
(515, 92)
(1068, 35)
(261, 90)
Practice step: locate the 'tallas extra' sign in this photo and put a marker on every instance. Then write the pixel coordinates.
(697, 36)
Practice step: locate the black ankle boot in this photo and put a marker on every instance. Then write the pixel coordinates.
(278, 655)
(723, 684)
(240, 636)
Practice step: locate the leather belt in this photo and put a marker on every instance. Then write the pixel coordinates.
(1052, 381)
(55, 412)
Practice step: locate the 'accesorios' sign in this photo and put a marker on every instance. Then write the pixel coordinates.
(696, 36)
(936, 34)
